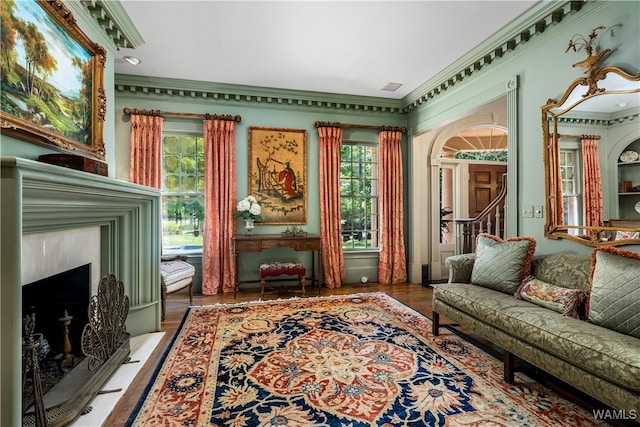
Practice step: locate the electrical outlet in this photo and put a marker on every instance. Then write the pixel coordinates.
(539, 212)
(527, 212)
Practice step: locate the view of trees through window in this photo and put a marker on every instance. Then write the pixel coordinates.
(570, 188)
(495, 155)
(182, 192)
(359, 196)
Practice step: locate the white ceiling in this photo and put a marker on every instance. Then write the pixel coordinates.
(346, 47)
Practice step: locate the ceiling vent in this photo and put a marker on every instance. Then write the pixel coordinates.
(391, 87)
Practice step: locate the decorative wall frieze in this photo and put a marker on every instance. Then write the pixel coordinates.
(247, 94)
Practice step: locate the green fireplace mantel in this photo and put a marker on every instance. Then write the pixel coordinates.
(39, 198)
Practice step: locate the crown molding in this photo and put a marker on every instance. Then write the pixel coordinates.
(605, 120)
(530, 24)
(253, 94)
(115, 21)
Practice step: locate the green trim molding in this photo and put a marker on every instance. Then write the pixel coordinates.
(43, 198)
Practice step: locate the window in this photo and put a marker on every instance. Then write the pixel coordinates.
(571, 196)
(182, 193)
(359, 196)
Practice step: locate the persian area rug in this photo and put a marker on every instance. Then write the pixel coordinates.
(354, 360)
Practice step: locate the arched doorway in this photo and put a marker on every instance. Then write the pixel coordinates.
(480, 155)
(477, 138)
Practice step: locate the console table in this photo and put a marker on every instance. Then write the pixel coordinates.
(261, 242)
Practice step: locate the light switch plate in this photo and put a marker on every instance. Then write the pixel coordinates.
(527, 212)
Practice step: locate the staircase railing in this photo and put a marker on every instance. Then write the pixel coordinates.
(490, 220)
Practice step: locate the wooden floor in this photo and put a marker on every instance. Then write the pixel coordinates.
(415, 295)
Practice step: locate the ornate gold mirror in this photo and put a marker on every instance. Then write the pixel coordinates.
(575, 165)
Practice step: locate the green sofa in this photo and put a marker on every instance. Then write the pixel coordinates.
(599, 361)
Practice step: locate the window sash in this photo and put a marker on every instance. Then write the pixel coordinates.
(182, 193)
(571, 187)
(359, 190)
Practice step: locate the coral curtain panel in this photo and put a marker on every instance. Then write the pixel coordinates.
(145, 159)
(332, 256)
(593, 209)
(218, 262)
(555, 176)
(392, 265)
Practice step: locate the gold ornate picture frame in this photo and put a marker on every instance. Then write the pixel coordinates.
(52, 79)
(278, 174)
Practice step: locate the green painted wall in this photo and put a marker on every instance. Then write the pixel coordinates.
(544, 71)
(253, 114)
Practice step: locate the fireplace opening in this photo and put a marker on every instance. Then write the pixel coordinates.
(48, 298)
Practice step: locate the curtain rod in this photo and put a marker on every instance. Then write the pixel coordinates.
(578, 136)
(205, 116)
(351, 126)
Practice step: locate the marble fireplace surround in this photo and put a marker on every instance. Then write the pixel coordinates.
(54, 252)
(55, 217)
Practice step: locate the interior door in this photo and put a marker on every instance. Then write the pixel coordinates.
(485, 183)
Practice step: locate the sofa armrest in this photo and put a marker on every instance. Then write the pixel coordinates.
(460, 267)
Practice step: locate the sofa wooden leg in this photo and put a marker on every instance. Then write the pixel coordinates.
(435, 323)
(262, 283)
(509, 366)
(302, 280)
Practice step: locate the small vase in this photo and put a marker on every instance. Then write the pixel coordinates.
(248, 225)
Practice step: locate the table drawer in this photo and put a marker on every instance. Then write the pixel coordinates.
(308, 245)
(249, 246)
(275, 243)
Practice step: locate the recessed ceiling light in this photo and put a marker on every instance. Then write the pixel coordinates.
(132, 60)
(622, 104)
(391, 87)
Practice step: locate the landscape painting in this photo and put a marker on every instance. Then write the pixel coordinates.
(278, 174)
(51, 89)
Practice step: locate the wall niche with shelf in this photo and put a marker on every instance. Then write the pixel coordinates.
(629, 181)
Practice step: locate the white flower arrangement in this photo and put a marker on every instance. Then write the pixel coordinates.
(248, 208)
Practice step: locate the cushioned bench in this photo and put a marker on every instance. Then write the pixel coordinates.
(282, 268)
(175, 275)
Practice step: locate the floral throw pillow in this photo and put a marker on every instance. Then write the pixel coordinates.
(625, 235)
(502, 264)
(569, 302)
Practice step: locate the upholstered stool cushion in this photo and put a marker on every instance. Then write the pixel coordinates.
(176, 274)
(278, 268)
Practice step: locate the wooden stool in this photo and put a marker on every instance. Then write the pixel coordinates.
(280, 268)
(175, 275)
